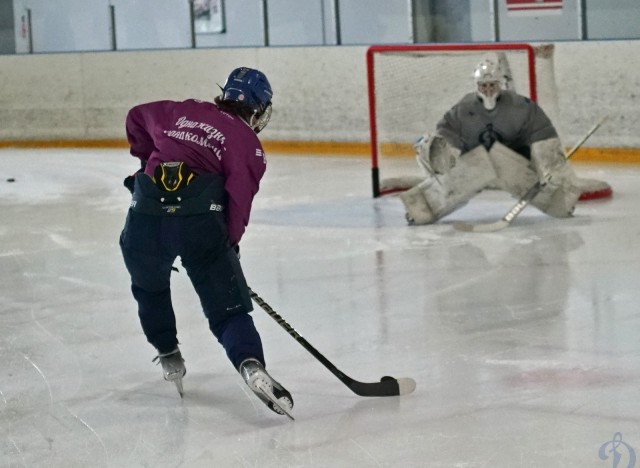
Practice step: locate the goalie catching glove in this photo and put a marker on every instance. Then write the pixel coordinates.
(435, 155)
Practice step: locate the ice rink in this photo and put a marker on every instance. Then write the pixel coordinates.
(525, 343)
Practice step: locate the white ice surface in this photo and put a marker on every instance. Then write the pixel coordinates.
(524, 343)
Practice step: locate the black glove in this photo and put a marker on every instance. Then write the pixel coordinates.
(236, 249)
(130, 180)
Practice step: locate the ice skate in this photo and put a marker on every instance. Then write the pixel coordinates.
(274, 395)
(173, 369)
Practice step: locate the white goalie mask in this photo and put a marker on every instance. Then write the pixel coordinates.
(488, 77)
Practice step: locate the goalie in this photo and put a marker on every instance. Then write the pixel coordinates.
(493, 138)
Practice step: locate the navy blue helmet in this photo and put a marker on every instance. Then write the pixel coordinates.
(248, 86)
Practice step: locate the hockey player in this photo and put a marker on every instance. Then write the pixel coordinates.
(202, 163)
(493, 138)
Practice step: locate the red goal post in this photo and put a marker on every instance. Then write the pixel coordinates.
(411, 87)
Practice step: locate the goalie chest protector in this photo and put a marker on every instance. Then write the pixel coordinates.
(516, 122)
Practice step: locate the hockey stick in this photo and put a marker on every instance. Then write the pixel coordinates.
(526, 198)
(388, 386)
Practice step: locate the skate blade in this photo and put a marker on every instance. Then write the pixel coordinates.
(269, 396)
(178, 383)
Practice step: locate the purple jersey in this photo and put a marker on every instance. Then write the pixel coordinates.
(206, 139)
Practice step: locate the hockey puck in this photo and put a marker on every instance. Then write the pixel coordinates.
(11, 179)
(386, 377)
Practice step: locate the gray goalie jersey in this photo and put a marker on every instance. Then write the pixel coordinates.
(516, 122)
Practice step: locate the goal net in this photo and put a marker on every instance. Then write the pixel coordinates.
(412, 86)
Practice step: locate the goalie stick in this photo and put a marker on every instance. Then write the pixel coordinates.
(388, 386)
(507, 219)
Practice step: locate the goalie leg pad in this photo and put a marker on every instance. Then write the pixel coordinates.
(548, 159)
(557, 199)
(561, 193)
(416, 206)
(436, 197)
(516, 176)
(514, 171)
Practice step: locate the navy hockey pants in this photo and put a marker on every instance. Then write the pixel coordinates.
(150, 244)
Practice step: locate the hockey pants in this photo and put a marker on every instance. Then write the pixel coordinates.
(150, 244)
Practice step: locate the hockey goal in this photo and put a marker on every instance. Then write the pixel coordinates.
(412, 86)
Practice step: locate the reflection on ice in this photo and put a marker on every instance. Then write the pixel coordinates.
(528, 335)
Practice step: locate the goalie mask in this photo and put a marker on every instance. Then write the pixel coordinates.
(249, 91)
(488, 78)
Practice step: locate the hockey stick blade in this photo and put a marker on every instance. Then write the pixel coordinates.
(388, 386)
(526, 198)
(489, 227)
(506, 219)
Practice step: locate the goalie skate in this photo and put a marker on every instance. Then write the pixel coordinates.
(173, 369)
(274, 395)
